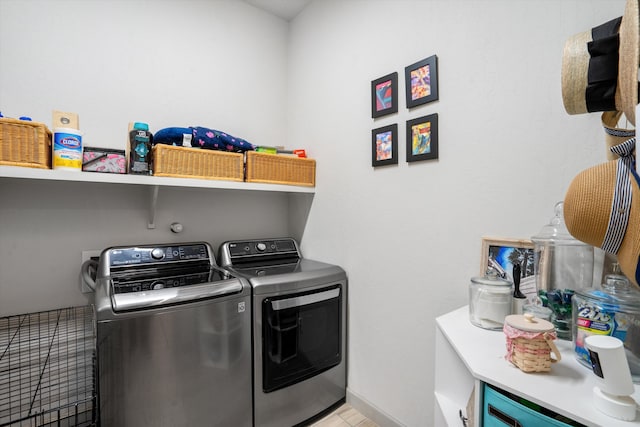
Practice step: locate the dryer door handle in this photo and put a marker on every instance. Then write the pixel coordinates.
(283, 304)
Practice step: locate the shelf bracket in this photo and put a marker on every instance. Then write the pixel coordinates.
(153, 202)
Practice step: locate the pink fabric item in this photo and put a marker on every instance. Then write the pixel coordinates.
(512, 333)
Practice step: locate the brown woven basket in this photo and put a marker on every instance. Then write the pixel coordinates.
(24, 143)
(280, 169)
(533, 355)
(183, 162)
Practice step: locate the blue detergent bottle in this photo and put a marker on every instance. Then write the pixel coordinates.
(140, 154)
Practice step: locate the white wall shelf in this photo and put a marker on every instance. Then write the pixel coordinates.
(110, 178)
(479, 353)
(153, 182)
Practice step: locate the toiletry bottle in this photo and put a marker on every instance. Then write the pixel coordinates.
(140, 140)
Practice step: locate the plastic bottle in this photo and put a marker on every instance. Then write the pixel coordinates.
(140, 140)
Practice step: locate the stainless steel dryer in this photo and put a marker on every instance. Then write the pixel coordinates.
(299, 329)
(174, 338)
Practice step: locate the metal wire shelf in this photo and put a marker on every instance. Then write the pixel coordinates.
(48, 369)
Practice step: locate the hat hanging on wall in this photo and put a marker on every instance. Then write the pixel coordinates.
(600, 66)
(612, 134)
(629, 60)
(602, 208)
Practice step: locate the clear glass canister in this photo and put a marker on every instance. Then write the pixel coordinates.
(490, 300)
(562, 264)
(614, 310)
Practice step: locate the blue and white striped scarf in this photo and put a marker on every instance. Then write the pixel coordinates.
(621, 204)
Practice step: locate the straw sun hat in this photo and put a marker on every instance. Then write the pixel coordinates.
(600, 66)
(602, 208)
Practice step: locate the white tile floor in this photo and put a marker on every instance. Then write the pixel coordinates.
(345, 416)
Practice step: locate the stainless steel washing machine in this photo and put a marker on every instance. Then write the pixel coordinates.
(299, 330)
(174, 338)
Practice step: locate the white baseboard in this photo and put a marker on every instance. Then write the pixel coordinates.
(371, 411)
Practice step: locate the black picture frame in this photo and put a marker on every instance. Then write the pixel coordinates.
(421, 82)
(384, 145)
(422, 138)
(384, 95)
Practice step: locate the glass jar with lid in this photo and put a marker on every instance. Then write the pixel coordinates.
(539, 311)
(490, 300)
(562, 264)
(614, 310)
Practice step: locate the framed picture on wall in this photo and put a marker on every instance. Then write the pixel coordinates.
(502, 254)
(422, 138)
(421, 81)
(384, 95)
(384, 145)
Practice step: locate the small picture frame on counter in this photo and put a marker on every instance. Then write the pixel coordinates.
(502, 254)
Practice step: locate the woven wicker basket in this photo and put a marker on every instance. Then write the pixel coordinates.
(532, 355)
(24, 143)
(183, 162)
(530, 342)
(280, 169)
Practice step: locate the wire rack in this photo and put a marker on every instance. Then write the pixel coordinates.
(47, 369)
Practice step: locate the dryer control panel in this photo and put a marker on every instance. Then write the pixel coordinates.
(242, 251)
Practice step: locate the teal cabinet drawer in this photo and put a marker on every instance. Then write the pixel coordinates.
(500, 410)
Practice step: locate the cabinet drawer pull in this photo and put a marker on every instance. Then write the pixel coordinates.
(510, 421)
(465, 420)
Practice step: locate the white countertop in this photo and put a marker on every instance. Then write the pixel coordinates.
(566, 389)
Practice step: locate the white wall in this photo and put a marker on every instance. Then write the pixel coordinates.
(409, 235)
(218, 64)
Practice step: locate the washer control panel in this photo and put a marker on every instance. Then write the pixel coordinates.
(154, 267)
(141, 255)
